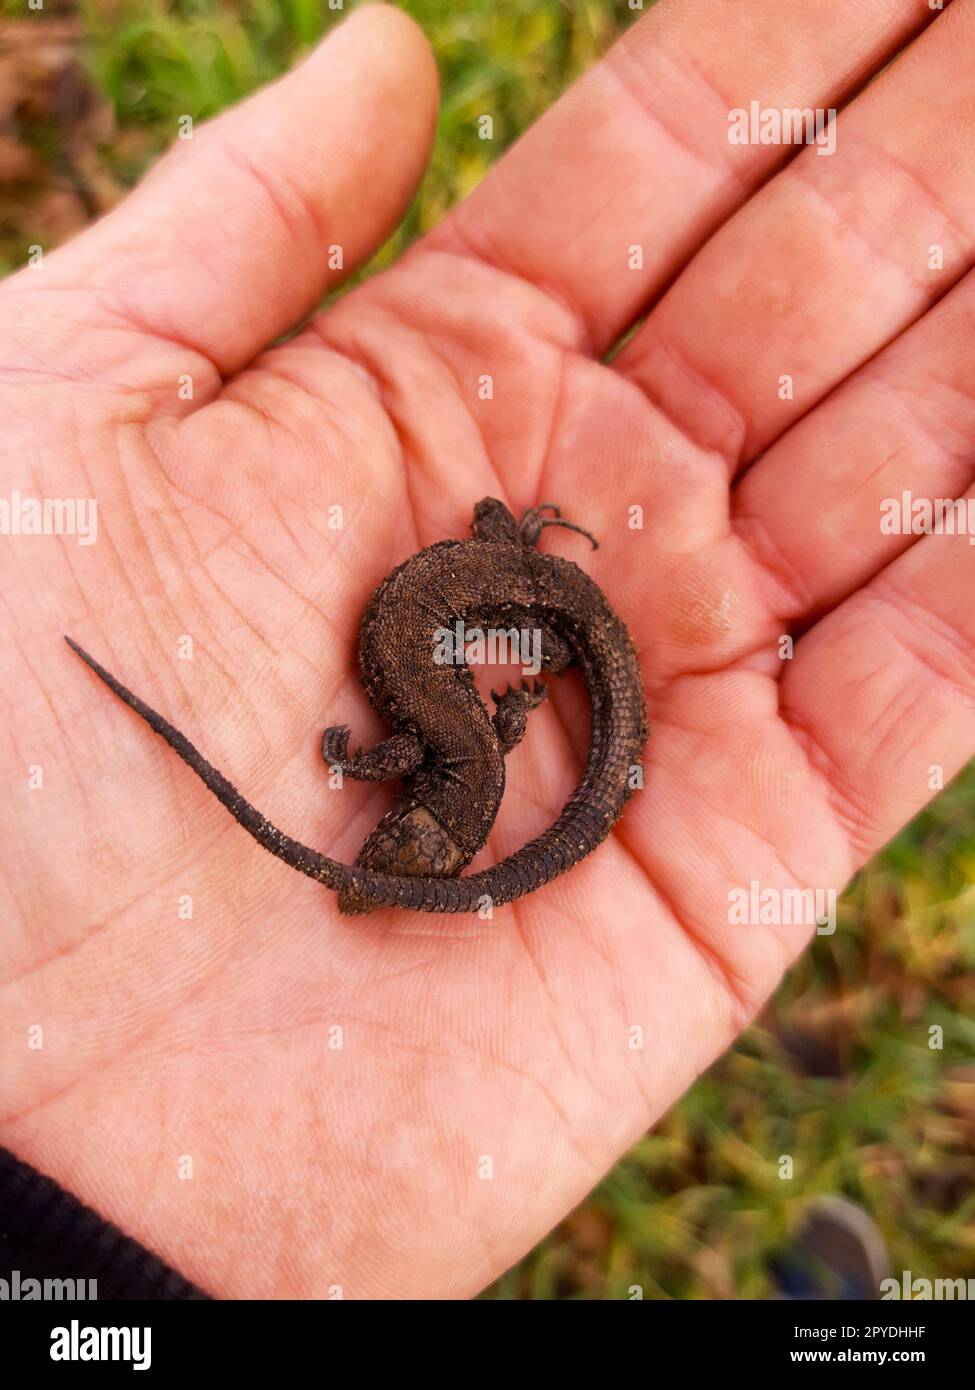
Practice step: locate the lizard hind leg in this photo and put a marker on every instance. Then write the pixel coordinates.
(396, 756)
(510, 718)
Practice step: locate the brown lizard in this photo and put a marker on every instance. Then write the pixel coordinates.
(446, 748)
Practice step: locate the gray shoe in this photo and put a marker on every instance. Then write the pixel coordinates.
(838, 1253)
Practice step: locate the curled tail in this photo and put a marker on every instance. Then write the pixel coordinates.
(585, 821)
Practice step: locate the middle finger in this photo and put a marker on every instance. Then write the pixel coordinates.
(834, 258)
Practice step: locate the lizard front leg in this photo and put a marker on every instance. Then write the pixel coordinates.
(396, 756)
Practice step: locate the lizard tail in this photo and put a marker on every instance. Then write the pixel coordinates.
(582, 825)
(308, 861)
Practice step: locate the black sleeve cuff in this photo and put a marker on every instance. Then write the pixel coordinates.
(45, 1233)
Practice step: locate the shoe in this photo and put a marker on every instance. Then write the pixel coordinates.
(838, 1253)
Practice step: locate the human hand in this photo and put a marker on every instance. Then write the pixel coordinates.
(363, 1166)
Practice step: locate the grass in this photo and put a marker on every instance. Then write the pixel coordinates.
(838, 1074)
(154, 61)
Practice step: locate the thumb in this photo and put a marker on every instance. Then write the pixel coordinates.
(226, 244)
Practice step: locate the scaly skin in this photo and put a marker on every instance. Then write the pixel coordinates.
(450, 751)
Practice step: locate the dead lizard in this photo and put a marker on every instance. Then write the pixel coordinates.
(445, 746)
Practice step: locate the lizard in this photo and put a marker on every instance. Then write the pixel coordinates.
(445, 747)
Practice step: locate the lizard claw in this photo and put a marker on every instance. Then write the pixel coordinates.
(532, 524)
(539, 693)
(535, 693)
(335, 743)
(530, 695)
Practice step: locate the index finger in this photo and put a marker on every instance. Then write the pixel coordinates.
(637, 153)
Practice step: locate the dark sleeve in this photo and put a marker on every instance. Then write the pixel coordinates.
(45, 1233)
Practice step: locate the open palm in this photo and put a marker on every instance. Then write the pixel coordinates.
(284, 1101)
